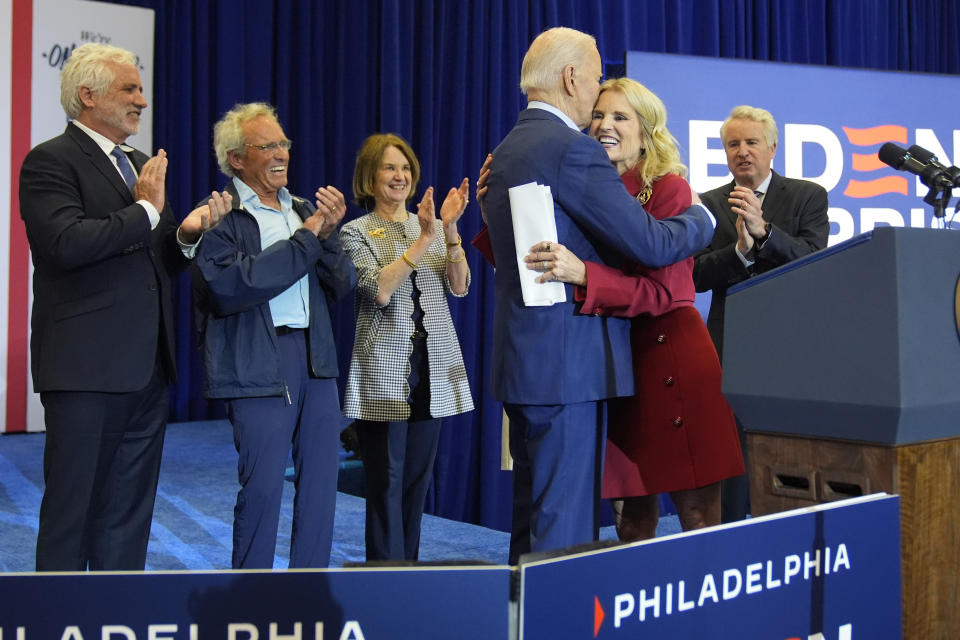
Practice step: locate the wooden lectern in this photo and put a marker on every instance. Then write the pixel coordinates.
(844, 368)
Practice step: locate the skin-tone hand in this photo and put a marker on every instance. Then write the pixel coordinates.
(331, 207)
(205, 217)
(694, 196)
(482, 184)
(744, 239)
(452, 209)
(450, 212)
(151, 185)
(392, 275)
(746, 205)
(556, 262)
(454, 204)
(426, 218)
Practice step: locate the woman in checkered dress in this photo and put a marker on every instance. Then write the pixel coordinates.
(406, 370)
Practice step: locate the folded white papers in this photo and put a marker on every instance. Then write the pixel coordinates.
(531, 207)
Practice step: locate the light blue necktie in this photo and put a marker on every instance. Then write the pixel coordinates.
(126, 170)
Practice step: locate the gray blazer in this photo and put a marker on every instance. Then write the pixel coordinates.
(377, 387)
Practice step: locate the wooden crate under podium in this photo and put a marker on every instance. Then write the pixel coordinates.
(787, 472)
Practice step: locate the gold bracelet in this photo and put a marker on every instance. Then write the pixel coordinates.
(410, 263)
(457, 243)
(452, 261)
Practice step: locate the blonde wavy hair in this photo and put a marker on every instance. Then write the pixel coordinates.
(661, 155)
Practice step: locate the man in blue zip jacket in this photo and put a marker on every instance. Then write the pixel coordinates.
(265, 286)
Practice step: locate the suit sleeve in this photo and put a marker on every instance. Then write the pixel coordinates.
(61, 232)
(718, 266)
(611, 292)
(591, 192)
(238, 281)
(629, 293)
(813, 228)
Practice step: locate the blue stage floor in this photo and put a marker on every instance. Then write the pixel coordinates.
(192, 524)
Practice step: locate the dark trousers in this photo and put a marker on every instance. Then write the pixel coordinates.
(557, 467)
(264, 429)
(398, 460)
(735, 491)
(101, 462)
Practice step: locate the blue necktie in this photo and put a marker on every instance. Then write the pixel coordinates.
(126, 170)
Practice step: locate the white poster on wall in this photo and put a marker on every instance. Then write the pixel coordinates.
(59, 27)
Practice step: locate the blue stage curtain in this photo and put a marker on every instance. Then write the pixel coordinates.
(444, 74)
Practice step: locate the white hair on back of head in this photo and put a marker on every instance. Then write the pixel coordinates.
(549, 53)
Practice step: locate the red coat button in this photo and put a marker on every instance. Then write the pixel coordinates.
(678, 421)
(661, 339)
(668, 381)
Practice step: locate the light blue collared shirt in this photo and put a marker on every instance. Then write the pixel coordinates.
(546, 106)
(292, 307)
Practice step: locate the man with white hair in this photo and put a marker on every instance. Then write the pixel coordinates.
(104, 242)
(764, 220)
(268, 277)
(552, 366)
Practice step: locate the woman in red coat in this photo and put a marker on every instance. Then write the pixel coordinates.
(676, 434)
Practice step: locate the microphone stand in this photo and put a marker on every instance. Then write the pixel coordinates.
(938, 198)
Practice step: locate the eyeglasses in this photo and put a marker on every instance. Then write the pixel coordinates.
(271, 146)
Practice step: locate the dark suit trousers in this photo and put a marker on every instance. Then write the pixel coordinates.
(101, 462)
(557, 467)
(264, 429)
(398, 461)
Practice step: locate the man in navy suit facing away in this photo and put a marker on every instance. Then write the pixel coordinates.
(552, 367)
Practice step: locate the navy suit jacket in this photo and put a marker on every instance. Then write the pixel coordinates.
(101, 281)
(553, 355)
(797, 212)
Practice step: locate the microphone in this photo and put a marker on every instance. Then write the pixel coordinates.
(931, 174)
(928, 157)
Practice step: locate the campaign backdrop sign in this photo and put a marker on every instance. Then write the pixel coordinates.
(341, 604)
(831, 123)
(830, 572)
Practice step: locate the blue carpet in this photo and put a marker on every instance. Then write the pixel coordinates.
(193, 517)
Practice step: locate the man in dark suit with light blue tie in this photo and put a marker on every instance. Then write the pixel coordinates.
(104, 243)
(552, 367)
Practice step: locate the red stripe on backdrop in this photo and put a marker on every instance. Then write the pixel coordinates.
(20, 91)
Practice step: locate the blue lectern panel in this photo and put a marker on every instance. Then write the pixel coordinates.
(856, 342)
